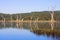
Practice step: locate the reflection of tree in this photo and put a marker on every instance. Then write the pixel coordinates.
(48, 33)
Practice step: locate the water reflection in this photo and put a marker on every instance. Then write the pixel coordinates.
(28, 25)
(54, 34)
(22, 32)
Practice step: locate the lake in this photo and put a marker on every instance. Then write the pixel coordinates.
(24, 34)
(12, 31)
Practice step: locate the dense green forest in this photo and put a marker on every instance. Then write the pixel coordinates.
(44, 15)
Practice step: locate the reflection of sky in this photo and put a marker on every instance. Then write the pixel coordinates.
(20, 34)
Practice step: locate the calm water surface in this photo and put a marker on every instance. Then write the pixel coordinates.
(22, 34)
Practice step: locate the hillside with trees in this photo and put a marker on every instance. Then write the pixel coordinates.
(44, 15)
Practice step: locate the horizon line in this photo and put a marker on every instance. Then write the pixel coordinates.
(25, 12)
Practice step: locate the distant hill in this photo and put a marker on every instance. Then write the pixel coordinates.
(44, 15)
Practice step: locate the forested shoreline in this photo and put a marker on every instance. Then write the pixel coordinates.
(44, 15)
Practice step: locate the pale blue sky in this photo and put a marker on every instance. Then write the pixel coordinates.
(21, 6)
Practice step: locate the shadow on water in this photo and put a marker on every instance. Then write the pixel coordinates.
(45, 28)
(53, 33)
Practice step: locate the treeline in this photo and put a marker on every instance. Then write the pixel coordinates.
(45, 15)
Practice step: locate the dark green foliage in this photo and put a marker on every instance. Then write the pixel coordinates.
(45, 15)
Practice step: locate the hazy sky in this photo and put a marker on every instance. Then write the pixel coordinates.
(19, 6)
